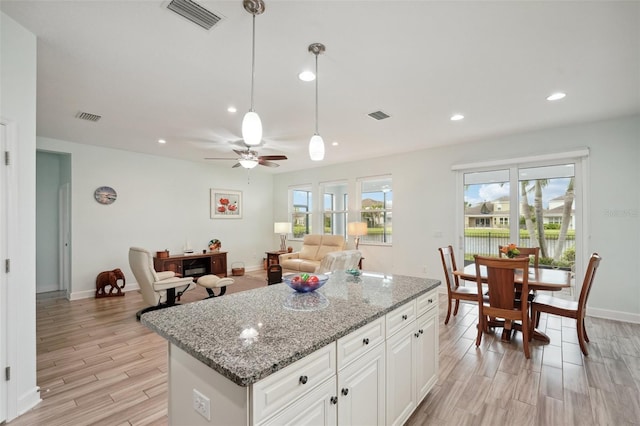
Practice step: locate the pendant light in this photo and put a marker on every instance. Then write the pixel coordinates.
(251, 124)
(316, 144)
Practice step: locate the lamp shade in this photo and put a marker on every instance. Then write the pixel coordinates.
(252, 129)
(282, 228)
(357, 228)
(316, 148)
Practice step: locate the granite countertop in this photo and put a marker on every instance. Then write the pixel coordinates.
(249, 335)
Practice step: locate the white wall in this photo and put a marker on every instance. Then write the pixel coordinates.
(18, 108)
(161, 204)
(424, 191)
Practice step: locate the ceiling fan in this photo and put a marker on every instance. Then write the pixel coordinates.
(250, 159)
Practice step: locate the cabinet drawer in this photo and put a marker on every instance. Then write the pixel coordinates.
(359, 342)
(292, 382)
(426, 302)
(400, 317)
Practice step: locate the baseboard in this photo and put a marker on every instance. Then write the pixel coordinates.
(87, 294)
(613, 315)
(28, 400)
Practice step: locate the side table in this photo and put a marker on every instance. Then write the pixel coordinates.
(273, 257)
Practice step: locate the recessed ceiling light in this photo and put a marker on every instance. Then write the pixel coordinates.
(556, 96)
(307, 76)
(334, 143)
(162, 141)
(232, 109)
(456, 117)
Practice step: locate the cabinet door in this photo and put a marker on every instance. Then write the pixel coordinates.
(219, 264)
(172, 265)
(427, 353)
(316, 408)
(401, 380)
(361, 390)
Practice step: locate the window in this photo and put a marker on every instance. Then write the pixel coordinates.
(376, 201)
(532, 205)
(334, 209)
(301, 208)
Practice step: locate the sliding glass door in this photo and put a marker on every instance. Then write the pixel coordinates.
(531, 206)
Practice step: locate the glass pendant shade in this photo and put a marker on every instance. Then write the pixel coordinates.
(248, 163)
(316, 148)
(252, 129)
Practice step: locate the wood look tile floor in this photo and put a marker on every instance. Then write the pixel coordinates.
(97, 366)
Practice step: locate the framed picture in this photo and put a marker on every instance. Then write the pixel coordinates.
(226, 204)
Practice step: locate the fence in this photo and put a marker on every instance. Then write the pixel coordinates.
(488, 245)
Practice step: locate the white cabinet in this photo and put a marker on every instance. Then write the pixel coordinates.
(411, 358)
(292, 382)
(427, 354)
(317, 408)
(361, 390)
(375, 375)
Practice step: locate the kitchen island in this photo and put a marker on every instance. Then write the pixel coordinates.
(274, 356)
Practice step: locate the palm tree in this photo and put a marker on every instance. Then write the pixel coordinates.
(566, 218)
(526, 211)
(537, 203)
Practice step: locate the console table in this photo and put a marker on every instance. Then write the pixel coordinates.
(194, 265)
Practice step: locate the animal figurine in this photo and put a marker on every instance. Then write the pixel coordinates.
(107, 283)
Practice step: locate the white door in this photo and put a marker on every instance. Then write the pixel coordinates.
(3, 276)
(427, 353)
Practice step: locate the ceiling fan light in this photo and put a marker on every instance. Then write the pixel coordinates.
(252, 129)
(248, 163)
(316, 148)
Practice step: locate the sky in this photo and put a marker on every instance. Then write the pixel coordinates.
(476, 194)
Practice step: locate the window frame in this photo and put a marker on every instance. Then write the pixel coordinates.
(387, 238)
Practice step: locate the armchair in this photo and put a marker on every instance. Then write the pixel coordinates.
(159, 289)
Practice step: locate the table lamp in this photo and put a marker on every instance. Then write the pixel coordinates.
(357, 229)
(282, 228)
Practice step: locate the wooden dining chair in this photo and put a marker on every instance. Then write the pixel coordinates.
(531, 253)
(454, 290)
(501, 301)
(569, 308)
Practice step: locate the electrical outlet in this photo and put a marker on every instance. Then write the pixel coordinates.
(202, 405)
(424, 269)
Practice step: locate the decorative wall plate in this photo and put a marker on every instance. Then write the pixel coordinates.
(105, 195)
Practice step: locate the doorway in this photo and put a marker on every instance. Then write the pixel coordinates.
(53, 222)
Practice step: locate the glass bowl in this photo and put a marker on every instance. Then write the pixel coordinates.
(304, 283)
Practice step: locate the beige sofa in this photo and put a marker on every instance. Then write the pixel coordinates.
(314, 248)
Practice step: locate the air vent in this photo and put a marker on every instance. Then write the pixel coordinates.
(88, 116)
(194, 12)
(379, 115)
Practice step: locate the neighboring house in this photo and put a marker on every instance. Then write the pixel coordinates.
(495, 214)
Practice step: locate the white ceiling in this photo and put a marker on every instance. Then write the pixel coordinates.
(152, 74)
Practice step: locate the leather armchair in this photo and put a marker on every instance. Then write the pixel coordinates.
(159, 289)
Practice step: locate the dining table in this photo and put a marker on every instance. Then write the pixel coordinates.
(539, 279)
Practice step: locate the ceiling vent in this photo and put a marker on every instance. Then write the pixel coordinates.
(88, 116)
(194, 12)
(379, 115)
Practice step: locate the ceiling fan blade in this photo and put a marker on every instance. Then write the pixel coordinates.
(272, 157)
(219, 158)
(235, 165)
(237, 151)
(267, 163)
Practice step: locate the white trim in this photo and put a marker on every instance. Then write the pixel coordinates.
(614, 315)
(87, 294)
(523, 160)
